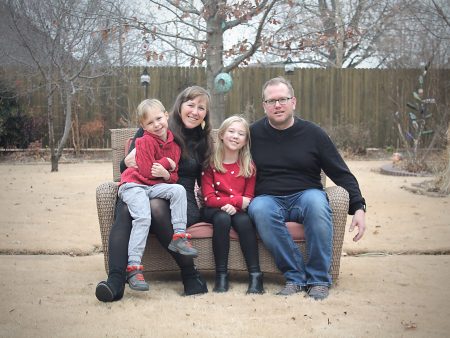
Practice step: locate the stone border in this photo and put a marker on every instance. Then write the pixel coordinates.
(389, 169)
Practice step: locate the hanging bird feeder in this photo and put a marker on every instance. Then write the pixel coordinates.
(223, 83)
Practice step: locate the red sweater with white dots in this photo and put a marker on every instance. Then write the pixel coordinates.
(226, 188)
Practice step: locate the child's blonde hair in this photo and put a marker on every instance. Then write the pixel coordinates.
(246, 167)
(147, 104)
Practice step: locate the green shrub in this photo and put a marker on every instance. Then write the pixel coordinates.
(17, 129)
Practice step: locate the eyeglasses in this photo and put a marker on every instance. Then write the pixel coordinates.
(281, 101)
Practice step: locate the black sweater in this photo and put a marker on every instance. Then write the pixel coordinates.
(290, 160)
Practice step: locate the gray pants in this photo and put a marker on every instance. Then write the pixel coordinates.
(137, 197)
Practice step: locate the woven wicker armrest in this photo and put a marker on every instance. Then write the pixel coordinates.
(106, 195)
(339, 201)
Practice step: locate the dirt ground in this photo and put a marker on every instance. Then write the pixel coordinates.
(393, 283)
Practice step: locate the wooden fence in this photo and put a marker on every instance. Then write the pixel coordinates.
(329, 97)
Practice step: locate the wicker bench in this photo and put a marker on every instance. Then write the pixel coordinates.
(156, 258)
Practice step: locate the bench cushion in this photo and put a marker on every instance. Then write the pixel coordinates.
(205, 230)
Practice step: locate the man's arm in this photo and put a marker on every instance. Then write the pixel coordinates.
(337, 170)
(335, 167)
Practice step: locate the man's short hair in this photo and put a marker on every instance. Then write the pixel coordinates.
(275, 81)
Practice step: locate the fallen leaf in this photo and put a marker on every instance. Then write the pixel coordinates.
(409, 325)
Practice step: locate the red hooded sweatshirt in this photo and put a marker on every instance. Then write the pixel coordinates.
(151, 149)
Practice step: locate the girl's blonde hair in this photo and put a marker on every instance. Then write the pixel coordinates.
(146, 105)
(246, 166)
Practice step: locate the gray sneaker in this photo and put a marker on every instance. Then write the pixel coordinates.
(318, 292)
(135, 278)
(290, 289)
(180, 243)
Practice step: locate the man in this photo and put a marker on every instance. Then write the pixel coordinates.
(289, 154)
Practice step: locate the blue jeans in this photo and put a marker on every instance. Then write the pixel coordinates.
(309, 207)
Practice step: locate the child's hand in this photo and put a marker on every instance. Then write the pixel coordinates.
(159, 171)
(130, 159)
(245, 202)
(172, 163)
(229, 209)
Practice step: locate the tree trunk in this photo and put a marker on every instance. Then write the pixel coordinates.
(217, 109)
(68, 96)
(75, 128)
(340, 35)
(51, 131)
(445, 181)
(54, 161)
(214, 59)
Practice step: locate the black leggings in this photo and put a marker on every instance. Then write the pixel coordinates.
(242, 224)
(120, 235)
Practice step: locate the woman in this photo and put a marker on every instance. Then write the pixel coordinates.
(190, 125)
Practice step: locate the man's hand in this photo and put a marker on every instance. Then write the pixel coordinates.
(358, 220)
(159, 171)
(172, 163)
(229, 209)
(130, 159)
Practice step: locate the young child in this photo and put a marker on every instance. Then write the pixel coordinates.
(228, 186)
(157, 157)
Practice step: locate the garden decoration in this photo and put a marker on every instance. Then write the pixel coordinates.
(223, 83)
(414, 126)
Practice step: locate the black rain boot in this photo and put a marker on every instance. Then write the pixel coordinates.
(106, 292)
(221, 283)
(193, 282)
(113, 288)
(255, 283)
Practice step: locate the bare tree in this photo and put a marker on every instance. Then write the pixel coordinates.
(419, 33)
(62, 40)
(196, 30)
(336, 33)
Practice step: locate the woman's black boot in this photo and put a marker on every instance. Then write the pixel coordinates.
(113, 288)
(193, 282)
(105, 292)
(221, 283)
(255, 283)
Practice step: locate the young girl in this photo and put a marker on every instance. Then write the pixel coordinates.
(228, 185)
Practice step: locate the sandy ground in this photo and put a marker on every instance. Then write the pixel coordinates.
(393, 283)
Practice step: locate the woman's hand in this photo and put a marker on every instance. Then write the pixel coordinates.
(245, 202)
(172, 163)
(159, 171)
(229, 209)
(130, 159)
